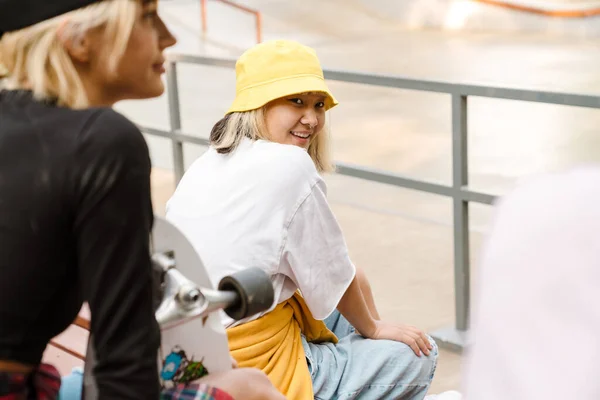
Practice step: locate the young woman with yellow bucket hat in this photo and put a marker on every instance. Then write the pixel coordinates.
(256, 198)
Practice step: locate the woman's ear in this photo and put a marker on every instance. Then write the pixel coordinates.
(78, 46)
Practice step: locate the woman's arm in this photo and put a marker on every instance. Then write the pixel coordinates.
(111, 230)
(316, 258)
(365, 288)
(354, 308)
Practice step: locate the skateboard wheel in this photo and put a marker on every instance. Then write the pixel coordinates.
(254, 289)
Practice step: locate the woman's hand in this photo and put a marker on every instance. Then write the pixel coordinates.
(410, 335)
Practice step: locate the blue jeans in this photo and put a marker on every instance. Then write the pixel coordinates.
(360, 368)
(71, 386)
(354, 368)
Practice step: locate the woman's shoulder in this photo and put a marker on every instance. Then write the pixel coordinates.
(288, 160)
(103, 134)
(275, 170)
(98, 127)
(108, 127)
(284, 168)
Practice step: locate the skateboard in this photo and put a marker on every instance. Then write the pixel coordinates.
(193, 340)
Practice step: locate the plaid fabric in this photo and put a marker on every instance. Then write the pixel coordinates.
(42, 384)
(194, 391)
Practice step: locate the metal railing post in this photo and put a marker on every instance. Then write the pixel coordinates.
(455, 337)
(460, 180)
(203, 16)
(175, 120)
(258, 27)
(256, 13)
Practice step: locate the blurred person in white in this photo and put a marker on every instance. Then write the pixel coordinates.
(536, 323)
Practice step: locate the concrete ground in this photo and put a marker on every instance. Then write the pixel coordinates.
(402, 238)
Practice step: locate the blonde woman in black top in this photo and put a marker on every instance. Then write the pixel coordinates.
(75, 206)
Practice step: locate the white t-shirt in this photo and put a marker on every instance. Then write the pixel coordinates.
(264, 205)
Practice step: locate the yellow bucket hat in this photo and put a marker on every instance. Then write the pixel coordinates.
(275, 69)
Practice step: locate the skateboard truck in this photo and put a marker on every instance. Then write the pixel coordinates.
(240, 295)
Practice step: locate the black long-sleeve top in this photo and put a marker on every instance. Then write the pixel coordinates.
(75, 222)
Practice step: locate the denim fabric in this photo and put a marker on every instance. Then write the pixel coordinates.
(71, 387)
(360, 368)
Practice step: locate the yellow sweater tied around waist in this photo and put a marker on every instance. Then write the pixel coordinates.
(273, 344)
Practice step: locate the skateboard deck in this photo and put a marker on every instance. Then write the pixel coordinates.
(194, 347)
(188, 309)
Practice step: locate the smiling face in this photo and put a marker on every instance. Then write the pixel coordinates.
(295, 119)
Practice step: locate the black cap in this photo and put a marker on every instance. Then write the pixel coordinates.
(19, 14)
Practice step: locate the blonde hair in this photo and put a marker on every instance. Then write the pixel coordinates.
(227, 134)
(36, 59)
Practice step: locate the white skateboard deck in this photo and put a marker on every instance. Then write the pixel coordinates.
(199, 346)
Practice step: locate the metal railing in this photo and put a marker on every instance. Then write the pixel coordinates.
(450, 337)
(548, 10)
(257, 16)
